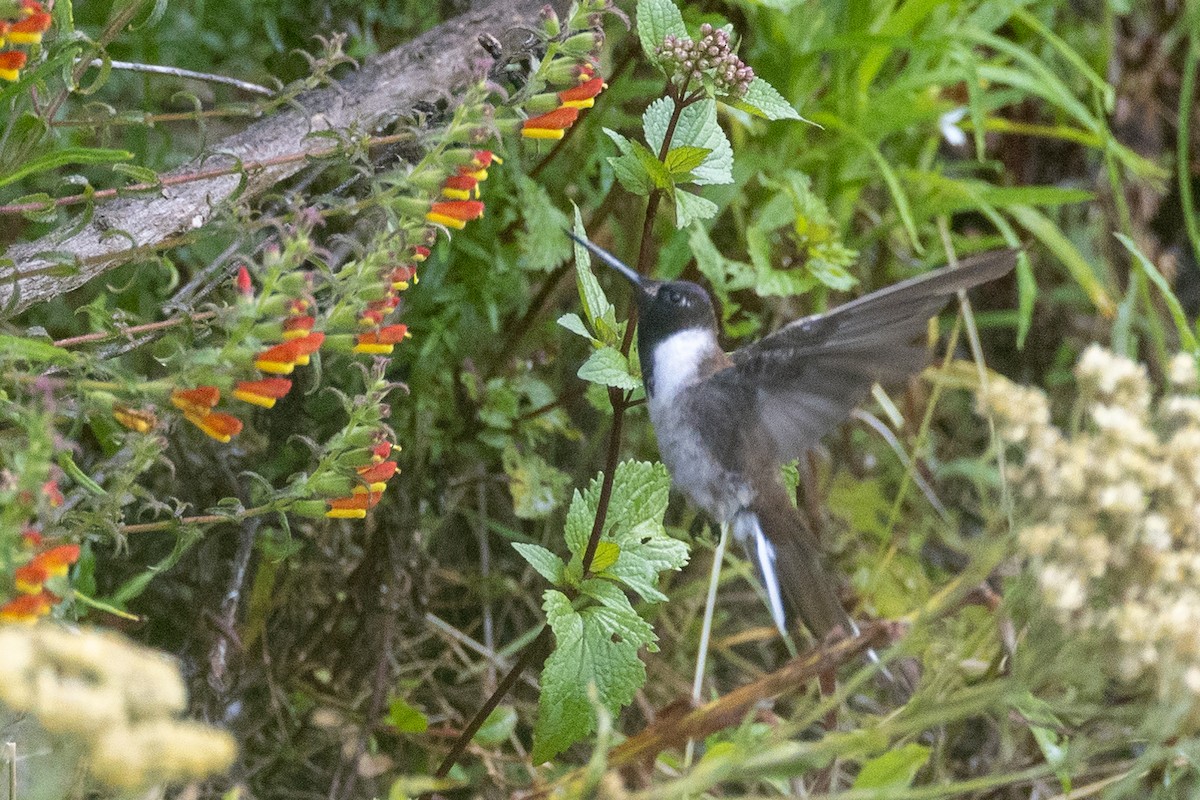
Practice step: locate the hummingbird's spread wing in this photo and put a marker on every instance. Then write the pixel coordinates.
(810, 374)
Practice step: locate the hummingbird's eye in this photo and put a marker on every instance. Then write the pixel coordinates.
(675, 298)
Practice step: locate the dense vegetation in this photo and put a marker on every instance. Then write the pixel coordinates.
(197, 427)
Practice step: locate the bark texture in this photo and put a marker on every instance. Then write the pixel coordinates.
(426, 68)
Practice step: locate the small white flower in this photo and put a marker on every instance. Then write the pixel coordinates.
(948, 125)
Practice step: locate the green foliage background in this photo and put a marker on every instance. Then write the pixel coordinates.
(360, 650)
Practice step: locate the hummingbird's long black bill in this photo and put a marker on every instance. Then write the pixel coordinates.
(608, 258)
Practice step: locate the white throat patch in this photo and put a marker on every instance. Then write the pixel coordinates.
(677, 361)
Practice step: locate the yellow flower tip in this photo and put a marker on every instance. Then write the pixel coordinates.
(254, 399)
(275, 367)
(374, 349)
(542, 133)
(399, 286)
(26, 587)
(298, 333)
(587, 103)
(449, 222)
(379, 486)
(497, 159)
(10, 74)
(479, 175)
(302, 360)
(456, 194)
(18, 37)
(346, 513)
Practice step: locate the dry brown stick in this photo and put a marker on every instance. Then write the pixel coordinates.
(674, 730)
(426, 68)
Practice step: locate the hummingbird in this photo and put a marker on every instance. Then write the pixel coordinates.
(727, 422)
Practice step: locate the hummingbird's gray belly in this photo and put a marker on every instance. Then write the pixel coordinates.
(694, 469)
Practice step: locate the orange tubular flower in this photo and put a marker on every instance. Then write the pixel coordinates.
(11, 62)
(198, 401)
(57, 560)
(355, 506)
(455, 213)
(30, 29)
(216, 424)
(278, 360)
(379, 473)
(401, 276)
(264, 392)
(135, 419)
(552, 125)
(28, 607)
(583, 95)
(382, 341)
(307, 345)
(297, 327)
(420, 253)
(461, 187)
(28, 578)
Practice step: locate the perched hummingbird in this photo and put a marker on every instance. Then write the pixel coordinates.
(726, 423)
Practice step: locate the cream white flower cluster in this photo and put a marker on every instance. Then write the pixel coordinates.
(1109, 512)
(111, 705)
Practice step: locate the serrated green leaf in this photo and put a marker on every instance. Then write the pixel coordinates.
(655, 169)
(656, 19)
(405, 718)
(595, 304)
(607, 366)
(690, 208)
(631, 174)
(548, 565)
(762, 100)
(697, 127)
(575, 325)
(20, 348)
(596, 646)
(895, 769)
(682, 160)
(541, 243)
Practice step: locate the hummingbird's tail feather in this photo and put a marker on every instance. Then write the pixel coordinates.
(790, 566)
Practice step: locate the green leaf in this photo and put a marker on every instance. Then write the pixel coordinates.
(536, 485)
(1056, 241)
(656, 19)
(595, 304)
(697, 127)
(63, 157)
(542, 244)
(498, 726)
(762, 100)
(575, 325)
(606, 555)
(1186, 337)
(596, 646)
(895, 769)
(682, 160)
(608, 367)
(631, 174)
(20, 348)
(659, 176)
(406, 719)
(548, 565)
(692, 207)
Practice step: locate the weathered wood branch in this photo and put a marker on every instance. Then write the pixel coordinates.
(424, 69)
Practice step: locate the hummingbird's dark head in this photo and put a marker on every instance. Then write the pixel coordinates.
(664, 307)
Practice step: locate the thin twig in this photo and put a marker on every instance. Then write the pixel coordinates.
(179, 72)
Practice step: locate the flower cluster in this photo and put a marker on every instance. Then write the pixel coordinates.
(39, 564)
(711, 59)
(559, 110)
(357, 462)
(20, 24)
(1111, 512)
(115, 703)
